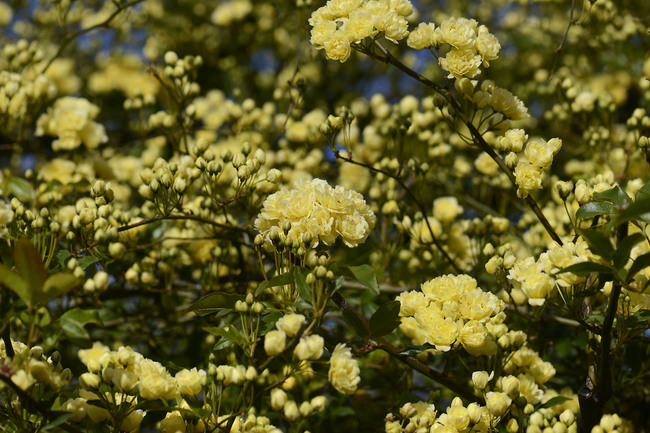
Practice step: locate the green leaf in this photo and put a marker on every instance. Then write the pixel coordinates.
(15, 283)
(63, 417)
(214, 302)
(554, 401)
(643, 193)
(58, 284)
(594, 208)
(365, 274)
(615, 196)
(598, 319)
(599, 243)
(62, 257)
(385, 319)
(230, 333)
(29, 264)
(300, 277)
(356, 323)
(623, 251)
(73, 324)
(21, 188)
(585, 268)
(87, 261)
(269, 322)
(639, 210)
(640, 316)
(640, 263)
(416, 350)
(280, 280)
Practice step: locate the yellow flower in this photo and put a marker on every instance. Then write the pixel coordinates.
(460, 33)
(528, 178)
(539, 152)
(274, 342)
(461, 63)
(423, 36)
(410, 302)
(337, 47)
(497, 403)
(290, 324)
(342, 8)
(503, 101)
(344, 370)
(446, 209)
(190, 382)
(360, 25)
(476, 340)
(309, 348)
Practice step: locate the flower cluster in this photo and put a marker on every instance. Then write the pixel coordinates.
(316, 210)
(341, 23)
(71, 120)
(451, 309)
(536, 280)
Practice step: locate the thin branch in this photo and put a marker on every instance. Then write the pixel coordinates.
(71, 37)
(478, 138)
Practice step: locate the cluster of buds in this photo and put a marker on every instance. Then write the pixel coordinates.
(28, 221)
(166, 183)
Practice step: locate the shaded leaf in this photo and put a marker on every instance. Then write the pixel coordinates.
(230, 333)
(598, 319)
(640, 316)
(73, 324)
(58, 284)
(87, 261)
(585, 268)
(594, 208)
(300, 278)
(62, 257)
(29, 264)
(640, 263)
(21, 188)
(63, 417)
(280, 280)
(214, 302)
(643, 193)
(623, 251)
(385, 319)
(599, 243)
(615, 195)
(15, 283)
(554, 401)
(365, 274)
(356, 323)
(639, 210)
(416, 350)
(269, 322)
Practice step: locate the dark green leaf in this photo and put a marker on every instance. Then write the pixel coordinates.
(385, 319)
(594, 208)
(365, 274)
(639, 210)
(303, 288)
(356, 323)
(269, 322)
(598, 319)
(554, 401)
(640, 316)
(62, 257)
(58, 284)
(63, 417)
(280, 280)
(229, 332)
(643, 193)
(214, 302)
(640, 263)
(416, 350)
(87, 261)
(623, 251)
(29, 264)
(615, 196)
(599, 243)
(585, 268)
(21, 188)
(16, 283)
(73, 324)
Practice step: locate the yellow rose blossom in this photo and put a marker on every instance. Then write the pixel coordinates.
(344, 370)
(461, 63)
(528, 178)
(337, 47)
